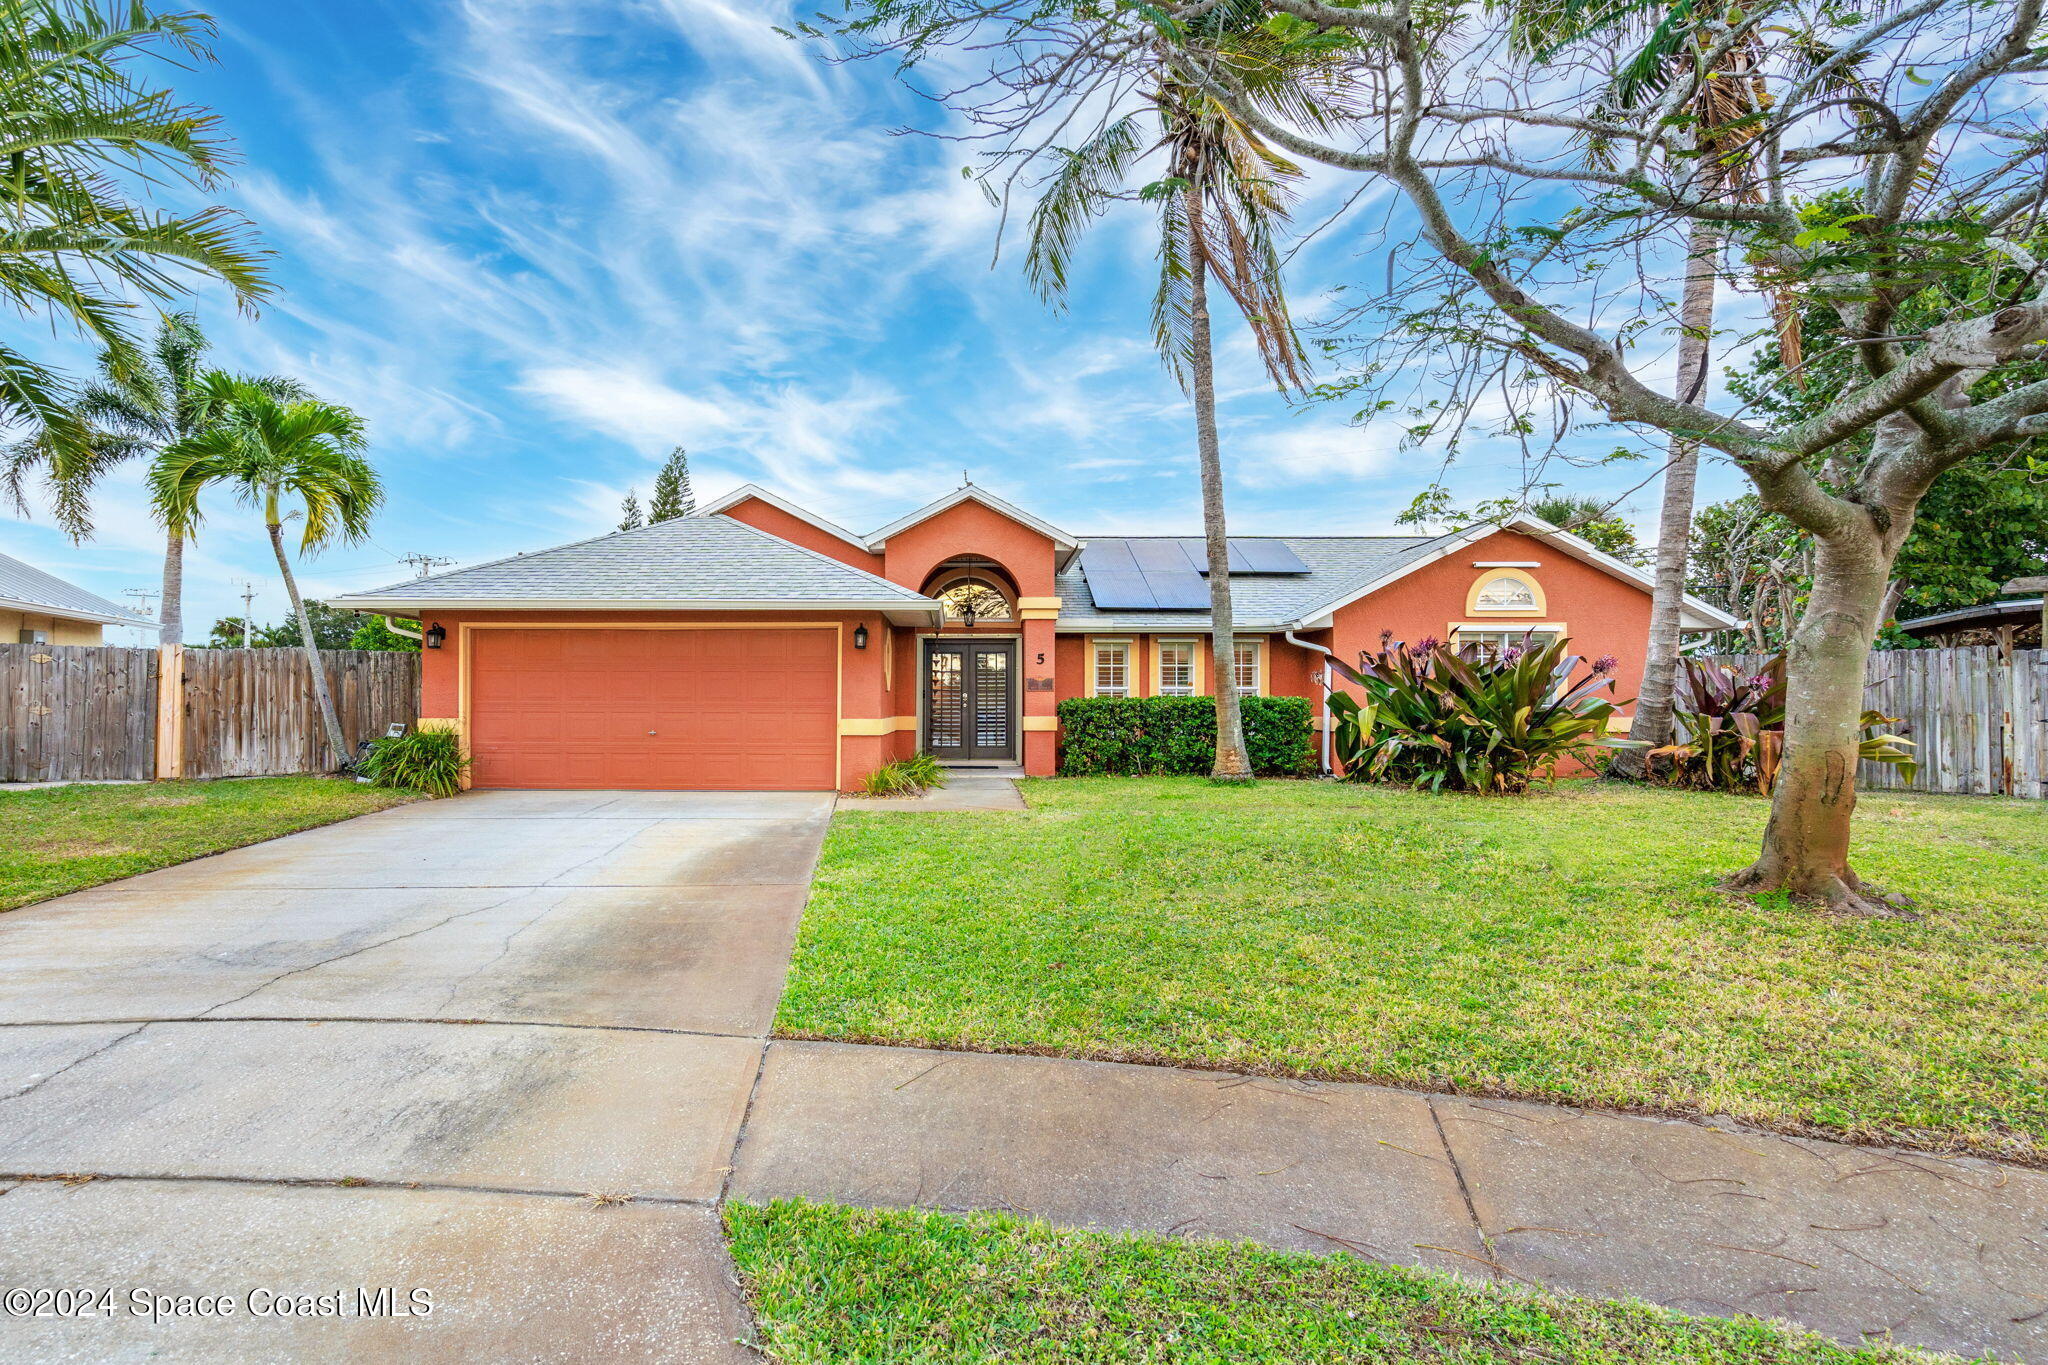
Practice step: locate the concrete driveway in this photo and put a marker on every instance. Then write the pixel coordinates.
(416, 1051)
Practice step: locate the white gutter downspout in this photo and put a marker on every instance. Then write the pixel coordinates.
(391, 624)
(1324, 676)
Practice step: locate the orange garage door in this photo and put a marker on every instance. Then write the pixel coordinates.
(704, 710)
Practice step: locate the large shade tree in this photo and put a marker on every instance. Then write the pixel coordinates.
(1532, 217)
(284, 458)
(86, 137)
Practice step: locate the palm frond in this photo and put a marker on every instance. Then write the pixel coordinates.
(1088, 177)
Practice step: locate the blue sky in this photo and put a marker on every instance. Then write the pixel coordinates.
(538, 242)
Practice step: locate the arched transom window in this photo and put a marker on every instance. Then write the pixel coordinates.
(1508, 590)
(973, 599)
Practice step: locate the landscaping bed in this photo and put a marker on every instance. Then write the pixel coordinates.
(838, 1284)
(61, 839)
(1570, 946)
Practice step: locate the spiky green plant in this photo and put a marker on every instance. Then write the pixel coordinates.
(1732, 728)
(1472, 719)
(911, 776)
(430, 761)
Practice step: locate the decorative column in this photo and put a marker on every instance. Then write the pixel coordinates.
(1040, 617)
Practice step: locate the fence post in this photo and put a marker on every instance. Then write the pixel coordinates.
(170, 712)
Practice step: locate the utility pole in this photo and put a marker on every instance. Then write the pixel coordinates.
(248, 599)
(424, 564)
(145, 600)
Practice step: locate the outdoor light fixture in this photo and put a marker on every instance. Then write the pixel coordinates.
(967, 614)
(435, 635)
(860, 637)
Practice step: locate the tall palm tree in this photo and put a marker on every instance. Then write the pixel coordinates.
(272, 451)
(79, 129)
(135, 410)
(1221, 203)
(1663, 42)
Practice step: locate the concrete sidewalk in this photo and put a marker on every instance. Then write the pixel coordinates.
(512, 1049)
(1852, 1241)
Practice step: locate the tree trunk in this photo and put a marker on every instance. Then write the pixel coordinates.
(328, 718)
(1806, 844)
(1233, 764)
(1652, 724)
(171, 625)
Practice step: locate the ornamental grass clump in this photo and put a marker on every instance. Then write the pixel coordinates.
(1474, 719)
(430, 761)
(911, 776)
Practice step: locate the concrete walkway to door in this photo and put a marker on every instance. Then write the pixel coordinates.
(512, 1049)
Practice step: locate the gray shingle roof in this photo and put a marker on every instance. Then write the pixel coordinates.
(1338, 565)
(22, 585)
(688, 559)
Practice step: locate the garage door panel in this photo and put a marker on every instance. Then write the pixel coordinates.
(731, 709)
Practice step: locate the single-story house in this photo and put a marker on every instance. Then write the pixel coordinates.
(38, 608)
(756, 645)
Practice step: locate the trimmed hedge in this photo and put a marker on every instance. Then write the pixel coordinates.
(1176, 736)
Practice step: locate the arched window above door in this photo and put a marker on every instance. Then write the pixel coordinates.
(974, 599)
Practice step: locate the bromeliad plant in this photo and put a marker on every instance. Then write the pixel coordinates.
(1471, 719)
(1733, 728)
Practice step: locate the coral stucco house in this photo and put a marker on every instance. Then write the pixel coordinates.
(757, 646)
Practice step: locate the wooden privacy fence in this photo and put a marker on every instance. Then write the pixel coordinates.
(81, 712)
(1979, 717)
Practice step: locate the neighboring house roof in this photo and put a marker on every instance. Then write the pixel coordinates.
(1343, 569)
(26, 588)
(873, 543)
(1985, 615)
(697, 563)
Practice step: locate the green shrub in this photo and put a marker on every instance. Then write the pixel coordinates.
(1472, 719)
(430, 761)
(1176, 736)
(911, 776)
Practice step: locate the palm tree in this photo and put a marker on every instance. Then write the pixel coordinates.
(271, 451)
(134, 411)
(1672, 41)
(1224, 195)
(77, 130)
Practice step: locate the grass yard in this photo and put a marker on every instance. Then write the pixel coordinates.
(858, 1285)
(1568, 946)
(63, 839)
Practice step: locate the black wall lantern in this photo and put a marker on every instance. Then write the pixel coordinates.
(860, 637)
(435, 635)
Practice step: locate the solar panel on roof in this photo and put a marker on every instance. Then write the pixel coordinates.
(1268, 556)
(1181, 591)
(1119, 589)
(1112, 555)
(1249, 557)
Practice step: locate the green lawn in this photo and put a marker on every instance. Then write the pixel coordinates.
(1568, 946)
(60, 839)
(857, 1285)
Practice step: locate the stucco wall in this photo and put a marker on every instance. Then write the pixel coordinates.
(776, 522)
(1601, 614)
(62, 630)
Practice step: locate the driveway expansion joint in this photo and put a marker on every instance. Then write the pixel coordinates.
(596, 1198)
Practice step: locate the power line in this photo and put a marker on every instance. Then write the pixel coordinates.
(426, 563)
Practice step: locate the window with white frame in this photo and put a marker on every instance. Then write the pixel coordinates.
(1499, 640)
(1112, 668)
(1176, 668)
(1246, 659)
